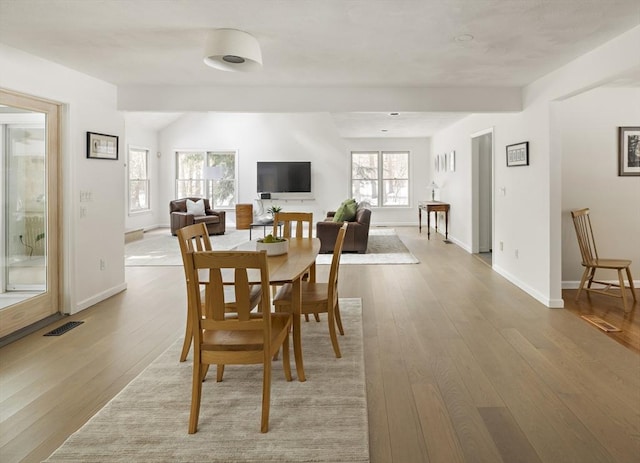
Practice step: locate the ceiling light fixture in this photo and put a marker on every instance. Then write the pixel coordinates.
(232, 50)
(394, 114)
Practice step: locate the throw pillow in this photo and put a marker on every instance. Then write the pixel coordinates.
(350, 211)
(344, 211)
(195, 207)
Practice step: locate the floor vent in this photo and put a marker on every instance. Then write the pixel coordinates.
(600, 323)
(62, 329)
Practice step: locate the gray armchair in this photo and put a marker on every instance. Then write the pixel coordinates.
(214, 220)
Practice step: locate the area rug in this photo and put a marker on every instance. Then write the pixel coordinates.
(321, 420)
(384, 247)
(159, 248)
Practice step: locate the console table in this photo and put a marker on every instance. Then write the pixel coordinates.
(434, 206)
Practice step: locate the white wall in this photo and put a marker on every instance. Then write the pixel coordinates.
(90, 105)
(590, 178)
(303, 136)
(528, 215)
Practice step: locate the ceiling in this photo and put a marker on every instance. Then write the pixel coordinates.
(322, 43)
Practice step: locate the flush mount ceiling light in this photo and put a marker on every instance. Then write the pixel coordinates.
(232, 50)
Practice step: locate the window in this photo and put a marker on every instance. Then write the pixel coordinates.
(138, 179)
(386, 186)
(216, 182)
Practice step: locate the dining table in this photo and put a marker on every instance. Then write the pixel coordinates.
(290, 267)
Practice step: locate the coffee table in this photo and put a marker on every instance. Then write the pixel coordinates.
(264, 226)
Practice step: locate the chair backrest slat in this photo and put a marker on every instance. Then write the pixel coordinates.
(584, 234)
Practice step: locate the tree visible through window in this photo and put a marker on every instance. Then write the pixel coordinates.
(386, 186)
(216, 182)
(138, 179)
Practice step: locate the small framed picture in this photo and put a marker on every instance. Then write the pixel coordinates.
(437, 163)
(518, 154)
(444, 162)
(452, 161)
(101, 146)
(629, 151)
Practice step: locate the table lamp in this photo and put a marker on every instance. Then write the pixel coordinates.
(433, 187)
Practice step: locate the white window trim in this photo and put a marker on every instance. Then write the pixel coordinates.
(148, 210)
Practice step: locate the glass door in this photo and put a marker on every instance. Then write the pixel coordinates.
(29, 277)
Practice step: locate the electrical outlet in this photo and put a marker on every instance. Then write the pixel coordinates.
(102, 264)
(501, 246)
(517, 254)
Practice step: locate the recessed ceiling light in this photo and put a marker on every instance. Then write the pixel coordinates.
(394, 114)
(464, 38)
(384, 130)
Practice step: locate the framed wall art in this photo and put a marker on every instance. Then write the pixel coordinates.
(452, 161)
(102, 146)
(518, 154)
(629, 151)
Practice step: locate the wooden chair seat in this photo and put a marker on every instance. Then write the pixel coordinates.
(612, 264)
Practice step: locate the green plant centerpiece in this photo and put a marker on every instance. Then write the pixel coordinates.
(273, 210)
(274, 245)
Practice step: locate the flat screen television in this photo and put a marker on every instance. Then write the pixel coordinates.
(284, 177)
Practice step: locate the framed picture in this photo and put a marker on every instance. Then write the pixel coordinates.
(443, 162)
(518, 154)
(629, 151)
(101, 146)
(437, 163)
(452, 161)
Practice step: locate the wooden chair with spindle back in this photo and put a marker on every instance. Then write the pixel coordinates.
(591, 262)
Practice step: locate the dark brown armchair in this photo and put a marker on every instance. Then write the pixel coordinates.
(357, 237)
(214, 220)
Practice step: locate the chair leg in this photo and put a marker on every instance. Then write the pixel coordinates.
(317, 317)
(188, 337)
(623, 291)
(286, 359)
(338, 318)
(331, 317)
(196, 392)
(219, 372)
(633, 289)
(582, 281)
(266, 393)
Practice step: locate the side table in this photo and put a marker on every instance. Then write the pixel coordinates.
(434, 206)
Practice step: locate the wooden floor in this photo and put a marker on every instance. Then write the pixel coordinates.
(461, 366)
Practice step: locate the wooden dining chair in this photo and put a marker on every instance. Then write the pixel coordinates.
(292, 222)
(196, 238)
(319, 297)
(239, 337)
(591, 262)
(298, 223)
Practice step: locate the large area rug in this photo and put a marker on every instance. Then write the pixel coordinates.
(321, 420)
(161, 248)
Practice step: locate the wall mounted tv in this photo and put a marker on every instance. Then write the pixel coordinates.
(284, 177)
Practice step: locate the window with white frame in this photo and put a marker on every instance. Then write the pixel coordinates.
(380, 177)
(138, 168)
(207, 174)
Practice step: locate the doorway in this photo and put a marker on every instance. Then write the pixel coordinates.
(482, 190)
(29, 179)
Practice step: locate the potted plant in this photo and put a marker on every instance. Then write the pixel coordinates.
(274, 245)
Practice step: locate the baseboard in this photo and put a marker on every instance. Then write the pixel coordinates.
(99, 297)
(550, 303)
